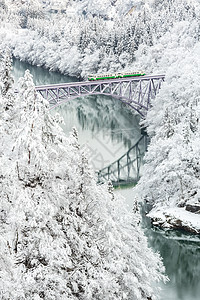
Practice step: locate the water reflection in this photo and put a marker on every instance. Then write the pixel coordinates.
(106, 125)
(180, 252)
(101, 113)
(40, 75)
(181, 257)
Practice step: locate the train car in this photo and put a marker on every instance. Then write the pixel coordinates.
(114, 75)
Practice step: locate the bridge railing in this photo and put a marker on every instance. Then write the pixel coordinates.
(127, 169)
(135, 92)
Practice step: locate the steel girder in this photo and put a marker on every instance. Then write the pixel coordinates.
(136, 92)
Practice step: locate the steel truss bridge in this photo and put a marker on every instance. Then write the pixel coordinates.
(135, 92)
(127, 169)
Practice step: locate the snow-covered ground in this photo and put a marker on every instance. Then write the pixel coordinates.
(160, 36)
(175, 217)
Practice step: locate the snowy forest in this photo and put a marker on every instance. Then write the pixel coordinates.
(158, 36)
(63, 236)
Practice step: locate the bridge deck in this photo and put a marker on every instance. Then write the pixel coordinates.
(136, 92)
(82, 83)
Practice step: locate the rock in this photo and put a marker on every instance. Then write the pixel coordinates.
(176, 218)
(194, 208)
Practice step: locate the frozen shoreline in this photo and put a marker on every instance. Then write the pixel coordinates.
(176, 218)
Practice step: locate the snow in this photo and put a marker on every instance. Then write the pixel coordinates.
(175, 217)
(150, 38)
(171, 172)
(79, 45)
(62, 235)
(159, 37)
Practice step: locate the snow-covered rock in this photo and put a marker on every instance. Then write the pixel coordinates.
(175, 218)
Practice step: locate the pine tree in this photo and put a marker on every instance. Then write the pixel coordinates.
(6, 77)
(6, 100)
(173, 124)
(64, 236)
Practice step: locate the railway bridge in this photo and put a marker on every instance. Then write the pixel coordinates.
(135, 92)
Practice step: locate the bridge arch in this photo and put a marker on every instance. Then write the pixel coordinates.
(135, 92)
(133, 105)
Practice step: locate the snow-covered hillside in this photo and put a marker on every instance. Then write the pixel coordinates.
(79, 44)
(171, 177)
(61, 235)
(104, 8)
(158, 36)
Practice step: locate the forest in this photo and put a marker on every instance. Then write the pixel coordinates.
(80, 242)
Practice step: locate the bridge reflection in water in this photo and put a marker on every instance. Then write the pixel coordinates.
(127, 169)
(136, 92)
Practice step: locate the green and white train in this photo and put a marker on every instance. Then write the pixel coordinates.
(114, 75)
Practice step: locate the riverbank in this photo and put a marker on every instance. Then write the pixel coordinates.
(61, 53)
(176, 218)
(179, 250)
(55, 53)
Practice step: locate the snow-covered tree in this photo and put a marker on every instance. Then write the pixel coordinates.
(6, 99)
(171, 173)
(107, 33)
(6, 78)
(63, 236)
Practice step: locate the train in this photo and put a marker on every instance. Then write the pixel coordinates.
(103, 76)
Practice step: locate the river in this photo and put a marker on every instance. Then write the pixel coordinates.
(109, 129)
(105, 125)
